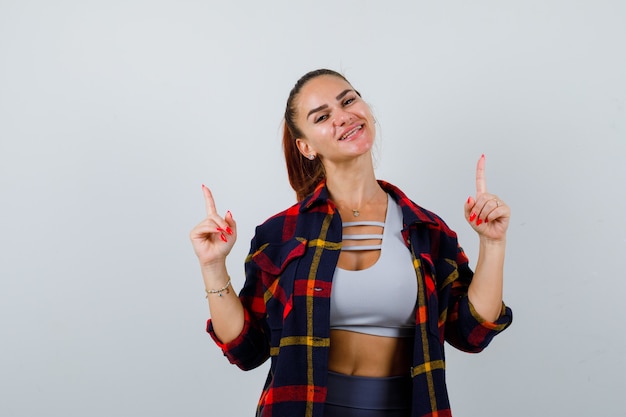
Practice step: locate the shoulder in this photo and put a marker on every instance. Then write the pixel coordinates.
(414, 213)
(300, 222)
(275, 228)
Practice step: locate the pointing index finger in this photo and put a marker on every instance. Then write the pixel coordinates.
(208, 200)
(481, 183)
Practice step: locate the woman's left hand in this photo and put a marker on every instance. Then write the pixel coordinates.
(487, 213)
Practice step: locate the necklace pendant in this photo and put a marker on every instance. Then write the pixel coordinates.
(355, 212)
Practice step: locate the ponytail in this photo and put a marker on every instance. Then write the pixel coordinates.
(304, 174)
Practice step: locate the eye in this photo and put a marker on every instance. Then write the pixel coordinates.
(349, 101)
(321, 118)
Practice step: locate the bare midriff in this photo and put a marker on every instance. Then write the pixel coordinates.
(360, 354)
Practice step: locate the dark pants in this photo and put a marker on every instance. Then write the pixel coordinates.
(357, 396)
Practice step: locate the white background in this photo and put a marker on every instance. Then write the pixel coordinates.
(113, 113)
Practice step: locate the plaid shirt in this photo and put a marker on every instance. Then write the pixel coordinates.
(286, 299)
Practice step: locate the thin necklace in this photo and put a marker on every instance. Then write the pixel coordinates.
(356, 212)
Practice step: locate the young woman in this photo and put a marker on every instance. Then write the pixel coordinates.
(353, 290)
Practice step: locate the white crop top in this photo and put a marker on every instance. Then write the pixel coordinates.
(379, 300)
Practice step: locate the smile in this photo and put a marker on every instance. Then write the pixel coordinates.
(350, 133)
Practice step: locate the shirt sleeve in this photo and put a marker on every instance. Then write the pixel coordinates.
(263, 299)
(252, 347)
(465, 329)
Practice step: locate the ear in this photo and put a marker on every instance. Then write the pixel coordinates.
(304, 147)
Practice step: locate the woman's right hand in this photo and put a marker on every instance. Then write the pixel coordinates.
(213, 237)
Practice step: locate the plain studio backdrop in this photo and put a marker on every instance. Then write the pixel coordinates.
(113, 113)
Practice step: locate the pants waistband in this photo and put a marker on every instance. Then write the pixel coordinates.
(386, 393)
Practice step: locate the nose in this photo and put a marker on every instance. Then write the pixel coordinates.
(342, 117)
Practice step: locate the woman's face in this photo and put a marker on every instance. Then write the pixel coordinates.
(336, 124)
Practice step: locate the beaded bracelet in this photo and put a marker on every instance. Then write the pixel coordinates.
(220, 291)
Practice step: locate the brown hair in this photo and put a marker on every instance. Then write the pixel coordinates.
(304, 174)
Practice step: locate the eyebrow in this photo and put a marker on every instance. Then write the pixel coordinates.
(325, 106)
(343, 93)
(315, 110)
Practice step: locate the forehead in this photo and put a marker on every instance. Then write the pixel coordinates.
(321, 90)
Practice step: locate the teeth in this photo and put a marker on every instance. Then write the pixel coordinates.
(352, 132)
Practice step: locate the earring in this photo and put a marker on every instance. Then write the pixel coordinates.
(311, 157)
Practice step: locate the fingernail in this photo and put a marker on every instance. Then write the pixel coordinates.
(203, 186)
(486, 220)
(469, 199)
(229, 230)
(478, 222)
(223, 238)
(482, 156)
(229, 214)
(472, 217)
(219, 229)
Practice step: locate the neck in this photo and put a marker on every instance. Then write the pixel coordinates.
(353, 186)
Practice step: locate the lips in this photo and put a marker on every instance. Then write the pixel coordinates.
(351, 132)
